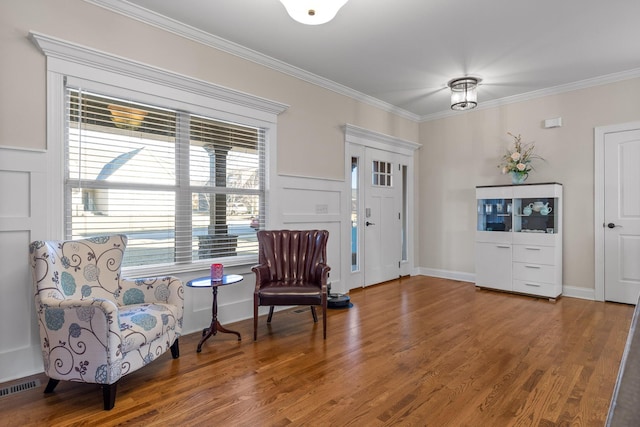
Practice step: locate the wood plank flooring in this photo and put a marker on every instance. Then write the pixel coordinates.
(417, 351)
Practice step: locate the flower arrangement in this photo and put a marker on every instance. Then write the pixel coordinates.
(518, 161)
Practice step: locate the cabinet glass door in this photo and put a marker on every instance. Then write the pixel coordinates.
(536, 215)
(495, 214)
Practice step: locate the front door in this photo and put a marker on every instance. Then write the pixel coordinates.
(622, 216)
(382, 216)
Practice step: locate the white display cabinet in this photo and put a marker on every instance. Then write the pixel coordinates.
(519, 238)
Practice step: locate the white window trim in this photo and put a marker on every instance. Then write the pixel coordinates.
(70, 60)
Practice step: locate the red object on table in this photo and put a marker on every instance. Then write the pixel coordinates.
(217, 272)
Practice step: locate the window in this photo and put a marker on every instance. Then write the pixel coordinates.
(183, 187)
(381, 174)
(150, 164)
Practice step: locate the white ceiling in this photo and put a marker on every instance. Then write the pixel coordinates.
(404, 52)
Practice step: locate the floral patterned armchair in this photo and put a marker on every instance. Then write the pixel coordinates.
(96, 326)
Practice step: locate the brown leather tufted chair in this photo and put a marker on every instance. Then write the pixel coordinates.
(292, 270)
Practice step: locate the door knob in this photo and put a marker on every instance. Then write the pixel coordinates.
(368, 223)
(612, 225)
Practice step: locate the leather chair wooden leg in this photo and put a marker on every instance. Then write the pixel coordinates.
(255, 317)
(324, 321)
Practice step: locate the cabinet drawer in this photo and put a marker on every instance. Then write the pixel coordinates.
(534, 272)
(534, 288)
(534, 254)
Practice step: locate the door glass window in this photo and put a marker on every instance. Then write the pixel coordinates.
(382, 174)
(404, 213)
(355, 197)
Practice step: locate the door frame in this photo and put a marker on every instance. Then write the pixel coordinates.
(600, 133)
(357, 138)
(381, 251)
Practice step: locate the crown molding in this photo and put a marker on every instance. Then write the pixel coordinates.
(160, 21)
(70, 52)
(555, 90)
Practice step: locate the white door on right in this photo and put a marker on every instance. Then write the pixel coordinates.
(622, 216)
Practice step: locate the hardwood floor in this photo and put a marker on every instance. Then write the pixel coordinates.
(418, 351)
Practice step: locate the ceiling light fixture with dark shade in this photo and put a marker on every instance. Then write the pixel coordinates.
(464, 93)
(313, 12)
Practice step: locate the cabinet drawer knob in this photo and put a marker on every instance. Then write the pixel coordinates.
(532, 266)
(535, 285)
(503, 246)
(532, 249)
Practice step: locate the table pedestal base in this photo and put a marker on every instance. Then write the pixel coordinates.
(213, 329)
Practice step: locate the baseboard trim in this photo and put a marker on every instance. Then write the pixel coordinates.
(567, 291)
(576, 292)
(446, 274)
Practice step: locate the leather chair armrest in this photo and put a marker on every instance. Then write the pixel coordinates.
(322, 274)
(262, 274)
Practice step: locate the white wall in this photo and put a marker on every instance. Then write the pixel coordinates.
(463, 151)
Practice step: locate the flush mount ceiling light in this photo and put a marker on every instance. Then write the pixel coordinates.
(464, 93)
(313, 12)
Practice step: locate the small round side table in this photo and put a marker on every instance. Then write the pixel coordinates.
(206, 282)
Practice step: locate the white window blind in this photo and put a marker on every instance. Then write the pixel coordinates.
(182, 187)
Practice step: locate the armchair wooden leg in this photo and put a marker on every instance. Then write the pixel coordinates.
(314, 314)
(175, 349)
(255, 318)
(270, 314)
(109, 395)
(324, 321)
(51, 385)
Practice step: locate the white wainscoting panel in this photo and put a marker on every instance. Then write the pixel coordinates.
(23, 218)
(313, 203)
